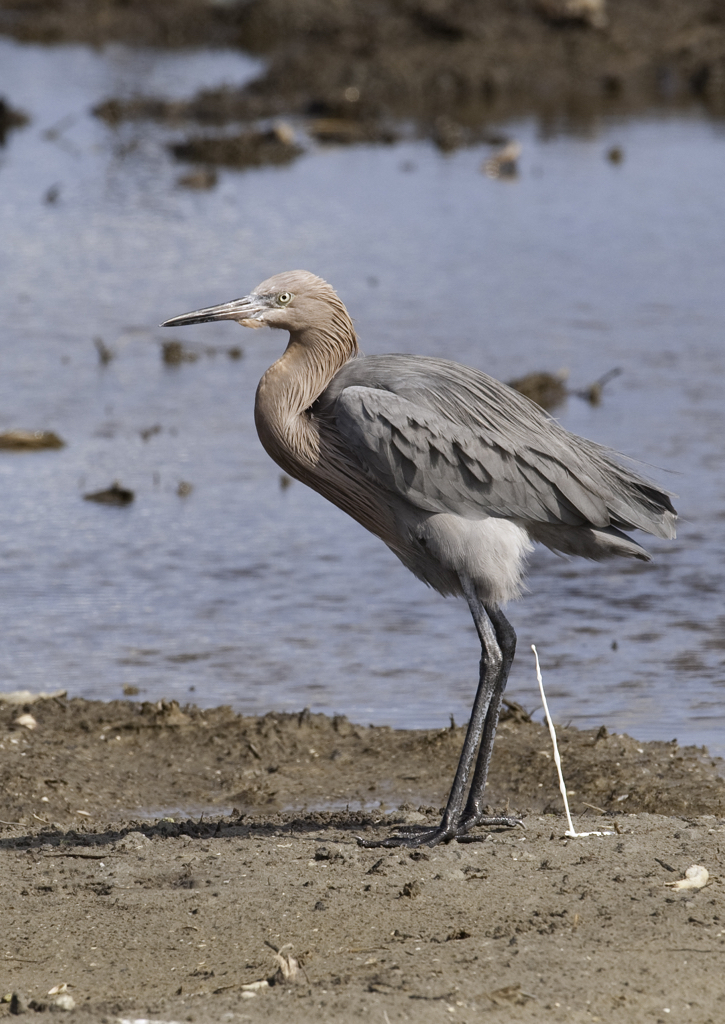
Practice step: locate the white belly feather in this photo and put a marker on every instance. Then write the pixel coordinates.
(492, 552)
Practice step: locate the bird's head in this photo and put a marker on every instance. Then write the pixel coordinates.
(296, 301)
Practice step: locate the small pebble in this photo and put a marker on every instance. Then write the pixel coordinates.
(18, 1003)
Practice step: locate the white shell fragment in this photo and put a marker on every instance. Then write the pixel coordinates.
(255, 986)
(27, 721)
(695, 878)
(143, 1020)
(64, 1001)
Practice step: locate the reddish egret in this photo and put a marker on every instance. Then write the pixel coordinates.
(454, 471)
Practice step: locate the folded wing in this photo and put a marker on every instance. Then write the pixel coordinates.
(451, 439)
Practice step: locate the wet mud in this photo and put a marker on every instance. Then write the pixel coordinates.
(113, 495)
(467, 62)
(192, 865)
(249, 149)
(549, 390)
(30, 440)
(546, 389)
(112, 759)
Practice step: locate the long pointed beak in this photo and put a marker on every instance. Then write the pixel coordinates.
(247, 311)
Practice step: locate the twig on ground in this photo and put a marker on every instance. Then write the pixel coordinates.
(595, 808)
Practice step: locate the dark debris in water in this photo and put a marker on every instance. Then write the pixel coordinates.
(174, 353)
(209, 106)
(105, 354)
(504, 163)
(546, 389)
(203, 178)
(593, 392)
(247, 149)
(113, 495)
(148, 432)
(10, 118)
(549, 389)
(30, 440)
(345, 131)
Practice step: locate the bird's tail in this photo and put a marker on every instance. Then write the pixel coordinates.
(596, 543)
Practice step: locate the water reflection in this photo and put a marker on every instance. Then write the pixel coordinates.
(266, 597)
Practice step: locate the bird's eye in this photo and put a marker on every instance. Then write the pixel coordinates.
(284, 298)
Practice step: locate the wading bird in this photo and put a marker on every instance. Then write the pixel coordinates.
(454, 471)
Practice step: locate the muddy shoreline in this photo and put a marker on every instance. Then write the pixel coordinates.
(123, 758)
(153, 858)
(469, 62)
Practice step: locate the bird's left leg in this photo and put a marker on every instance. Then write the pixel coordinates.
(506, 639)
(494, 666)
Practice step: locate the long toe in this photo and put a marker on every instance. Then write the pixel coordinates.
(412, 840)
(463, 832)
(443, 834)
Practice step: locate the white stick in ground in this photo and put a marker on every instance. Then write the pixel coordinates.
(571, 831)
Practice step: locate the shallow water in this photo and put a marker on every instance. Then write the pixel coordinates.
(262, 597)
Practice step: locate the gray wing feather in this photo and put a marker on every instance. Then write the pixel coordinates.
(441, 466)
(451, 439)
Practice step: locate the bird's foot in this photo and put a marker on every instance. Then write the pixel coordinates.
(411, 840)
(442, 834)
(463, 832)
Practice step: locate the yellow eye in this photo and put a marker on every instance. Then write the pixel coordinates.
(284, 298)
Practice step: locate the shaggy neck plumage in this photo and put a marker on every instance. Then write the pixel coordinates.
(289, 387)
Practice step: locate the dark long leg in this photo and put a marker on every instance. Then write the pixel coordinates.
(498, 643)
(473, 813)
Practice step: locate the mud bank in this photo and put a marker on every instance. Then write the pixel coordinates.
(85, 759)
(469, 60)
(273, 910)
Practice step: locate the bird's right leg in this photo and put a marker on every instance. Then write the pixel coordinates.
(492, 667)
(474, 812)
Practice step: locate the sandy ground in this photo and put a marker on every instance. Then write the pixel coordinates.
(115, 885)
